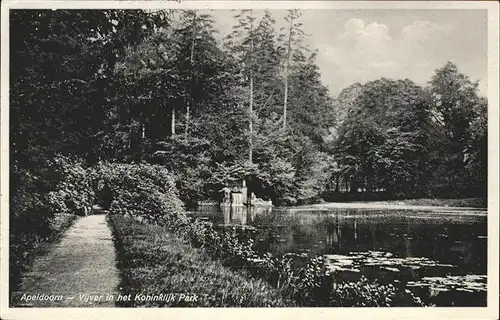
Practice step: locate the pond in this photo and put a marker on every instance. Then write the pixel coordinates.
(439, 255)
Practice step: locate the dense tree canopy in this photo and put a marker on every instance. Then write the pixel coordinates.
(460, 117)
(381, 143)
(132, 85)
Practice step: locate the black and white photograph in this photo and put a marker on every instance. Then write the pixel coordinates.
(208, 155)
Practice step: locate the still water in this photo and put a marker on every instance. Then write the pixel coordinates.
(451, 238)
(443, 251)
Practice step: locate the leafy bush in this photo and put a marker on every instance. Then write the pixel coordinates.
(74, 192)
(28, 210)
(142, 191)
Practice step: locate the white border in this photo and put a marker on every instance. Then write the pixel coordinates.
(489, 312)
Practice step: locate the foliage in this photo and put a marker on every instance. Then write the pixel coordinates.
(459, 113)
(407, 141)
(314, 174)
(142, 191)
(477, 162)
(60, 77)
(188, 161)
(74, 192)
(382, 140)
(311, 107)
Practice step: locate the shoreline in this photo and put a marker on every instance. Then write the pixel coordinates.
(425, 204)
(387, 206)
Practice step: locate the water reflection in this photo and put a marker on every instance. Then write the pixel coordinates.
(232, 215)
(455, 239)
(235, 215)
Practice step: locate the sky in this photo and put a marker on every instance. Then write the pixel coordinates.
(365, 45)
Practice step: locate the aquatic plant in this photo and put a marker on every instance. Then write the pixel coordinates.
(311, 285)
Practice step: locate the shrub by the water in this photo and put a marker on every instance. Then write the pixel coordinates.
(143, 191)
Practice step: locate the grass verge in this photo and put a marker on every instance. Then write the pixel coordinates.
(155, 263)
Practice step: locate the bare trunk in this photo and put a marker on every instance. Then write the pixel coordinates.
(191, 59)
(287, 66)
(250, 105)
(284, 104)
(130, 137)
(172, 124)
(186, 127)
(250, 125)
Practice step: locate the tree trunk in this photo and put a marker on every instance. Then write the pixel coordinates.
(191, 59)
(130, 137)
(250, 124)
(172, 123)
(186, 127)
(250, 105)
(287, 66)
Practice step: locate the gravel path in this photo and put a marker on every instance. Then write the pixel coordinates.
(78, 271)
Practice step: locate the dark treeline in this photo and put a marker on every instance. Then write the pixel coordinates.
(162, 87)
